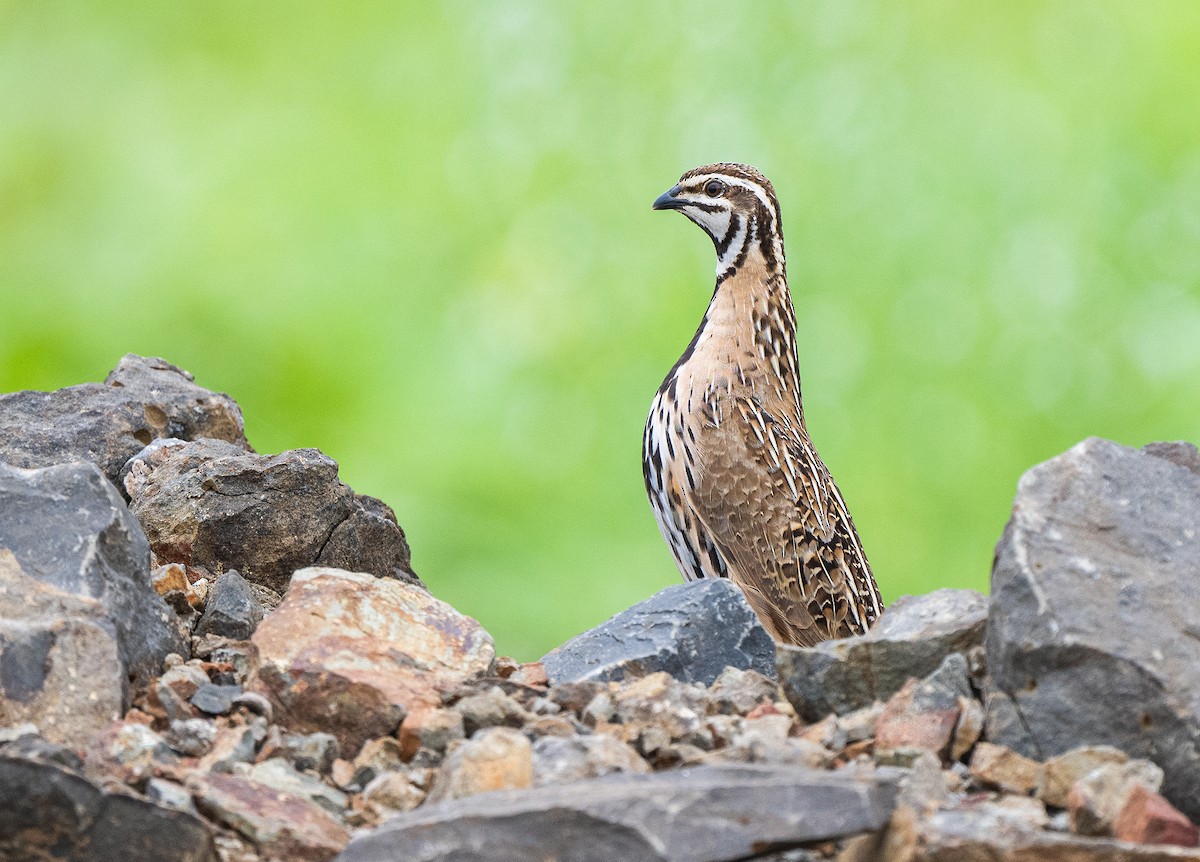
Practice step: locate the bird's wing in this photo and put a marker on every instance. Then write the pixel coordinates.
(772, 509)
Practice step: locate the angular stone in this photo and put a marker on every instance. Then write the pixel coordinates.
(737, 691)
(280, 825)
(212, 505)
(559, 760)
(232, 610)
(693, 631)
(284, 777)
(430, 728)
(497, 758)
(128, 752)
(107, 423)
(997, 766)
(1095, 799)
(1120, 528)
(78, 614)
(1062, 771)
(350, 654)
(310, 752)
(1147, 818)
(234, 744)
(490, 708)
(215, 699)
(986, 832)
(67, 528)
(910, 639)
(43, 661)
(394, 791)
(922, 715)
(657, 710)
(710, 813)
(47, 812)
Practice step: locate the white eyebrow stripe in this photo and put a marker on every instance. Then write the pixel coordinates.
(758, 190)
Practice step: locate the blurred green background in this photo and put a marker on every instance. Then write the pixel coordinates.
(419, 238)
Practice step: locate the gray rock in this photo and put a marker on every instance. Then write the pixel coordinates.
(215, 699)
(212, 505)
(562, 759)
(1092, 636)
(1177, 452)
(232, 610)
(712, 813)
(693, 631)
(76, 602)
(47, 812)
(311, 752)
(910, 639)
(105, 423)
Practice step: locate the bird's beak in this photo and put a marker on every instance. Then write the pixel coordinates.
(668, 200)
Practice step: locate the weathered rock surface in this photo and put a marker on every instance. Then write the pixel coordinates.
(910, 639)
(497, 758)
(231, 610)
(922, 715)
(350, 654)
(1092, 637)
(79, 617)
(710, 813)
(280, 825)
(693, 631)
(47, 812)
(986, 831)
(212, 505)
(106, 423)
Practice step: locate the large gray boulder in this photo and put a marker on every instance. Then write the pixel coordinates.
(1093, 636)
(910, 640)
(79, 618)
(48, 812)
(712, 813)
(693, 631)
(211, 504)
(141, 400)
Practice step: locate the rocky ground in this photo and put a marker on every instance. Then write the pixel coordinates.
(207, 653)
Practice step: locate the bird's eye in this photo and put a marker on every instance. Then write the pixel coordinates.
(713, 188)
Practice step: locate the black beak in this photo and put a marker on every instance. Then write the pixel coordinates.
(668, 201)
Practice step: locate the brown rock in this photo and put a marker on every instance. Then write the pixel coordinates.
(213, 505)
(1060, 772)
(394, 791)
(128, 752)
(281, 825)
(351, 654)
(999, 766)
(430, 728)
(497, 758)
(969, 727)
(907, 722)
(1097, 798)
(1148, 818)
(985, 831)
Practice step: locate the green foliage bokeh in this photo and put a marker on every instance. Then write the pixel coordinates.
(419, 238)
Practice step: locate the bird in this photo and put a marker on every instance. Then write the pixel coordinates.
(736, 486)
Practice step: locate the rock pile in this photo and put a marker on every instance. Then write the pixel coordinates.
(209, 654)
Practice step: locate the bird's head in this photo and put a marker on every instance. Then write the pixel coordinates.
(735, 205)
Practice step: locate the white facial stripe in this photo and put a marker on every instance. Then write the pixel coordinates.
(734, 248)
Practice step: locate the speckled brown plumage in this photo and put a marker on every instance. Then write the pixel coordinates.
(737, 487)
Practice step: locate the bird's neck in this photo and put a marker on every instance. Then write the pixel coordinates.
(747, 338)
